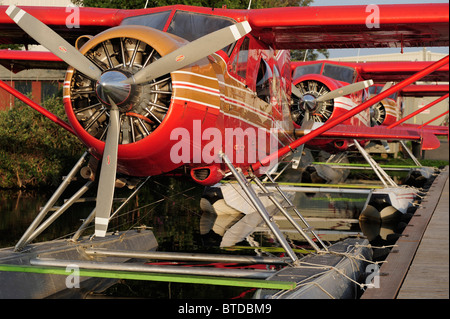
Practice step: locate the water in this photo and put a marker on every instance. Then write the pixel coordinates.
(171, 208)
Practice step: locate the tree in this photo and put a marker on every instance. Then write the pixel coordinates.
(311, 55)
(297, 55)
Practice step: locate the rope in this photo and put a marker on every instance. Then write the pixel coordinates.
(353, 262)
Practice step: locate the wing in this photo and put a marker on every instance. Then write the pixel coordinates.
(360, 26)
(342, 131)
(69, 24)
(419, 90)
(382, 72)
(409, 25)
(17, 61)
(434, 129)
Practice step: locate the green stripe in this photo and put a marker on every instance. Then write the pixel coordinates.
(206, 280)
(332, 185)
(319, 185)
(269, 249)
(366, 165)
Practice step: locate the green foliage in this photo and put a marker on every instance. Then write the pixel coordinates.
(11, 46)
(34, 151)
(311, 55)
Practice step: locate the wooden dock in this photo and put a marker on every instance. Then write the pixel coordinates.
(418, 267)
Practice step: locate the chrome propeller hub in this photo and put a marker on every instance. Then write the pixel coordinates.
(111, 86)
(309, 102)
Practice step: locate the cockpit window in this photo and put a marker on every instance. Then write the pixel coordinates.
(191, 25)
(154, 20)
(307, 69)
(339, 72)
(187, 25)
(376, 89)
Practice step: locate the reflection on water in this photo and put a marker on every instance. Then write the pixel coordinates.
(172, 208)
(167, 205)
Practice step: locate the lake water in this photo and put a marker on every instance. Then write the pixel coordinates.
(172, 208)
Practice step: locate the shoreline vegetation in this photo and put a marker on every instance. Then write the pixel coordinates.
(35, 152)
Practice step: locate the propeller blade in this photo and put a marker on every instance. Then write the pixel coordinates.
(295, 90)
(387, 86)
(345, 90)
(191, 52)
(105, 192)
(53, 42)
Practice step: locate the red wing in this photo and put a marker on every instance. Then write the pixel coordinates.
(17, 61)
(341, 131)
(91, 21)
(409, 25)
(425, 90)
(382, 72)
(434, 129)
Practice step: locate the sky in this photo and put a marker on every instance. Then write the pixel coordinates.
(355, 52)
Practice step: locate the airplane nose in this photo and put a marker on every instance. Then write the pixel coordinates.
(111, 85)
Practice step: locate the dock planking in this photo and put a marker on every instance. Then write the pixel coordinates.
(429, 272)
(418, 267)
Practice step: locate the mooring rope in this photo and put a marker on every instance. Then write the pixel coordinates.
(353, 260)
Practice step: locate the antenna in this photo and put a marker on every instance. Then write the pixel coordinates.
(146, 3)
(249, 5)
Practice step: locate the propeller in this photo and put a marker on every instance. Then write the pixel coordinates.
(387, 86)
(105, 191)
(345, 90)
(191, 52)
(114, 87)
(311, 102)
(53, 42)
(296, 91)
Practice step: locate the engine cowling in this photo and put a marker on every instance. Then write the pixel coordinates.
(148, 112)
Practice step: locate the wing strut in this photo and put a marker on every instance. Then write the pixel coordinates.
(434, 119)
(418, 111)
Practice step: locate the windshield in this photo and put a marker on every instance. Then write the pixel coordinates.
(191, 25)
(339, 72)
(307, 69)
(187, 25)
(154, 20)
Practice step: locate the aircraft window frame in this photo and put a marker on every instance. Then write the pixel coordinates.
(238, 65)
(315, 68)
(146, 20)
(263, 80)
(334, 71)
